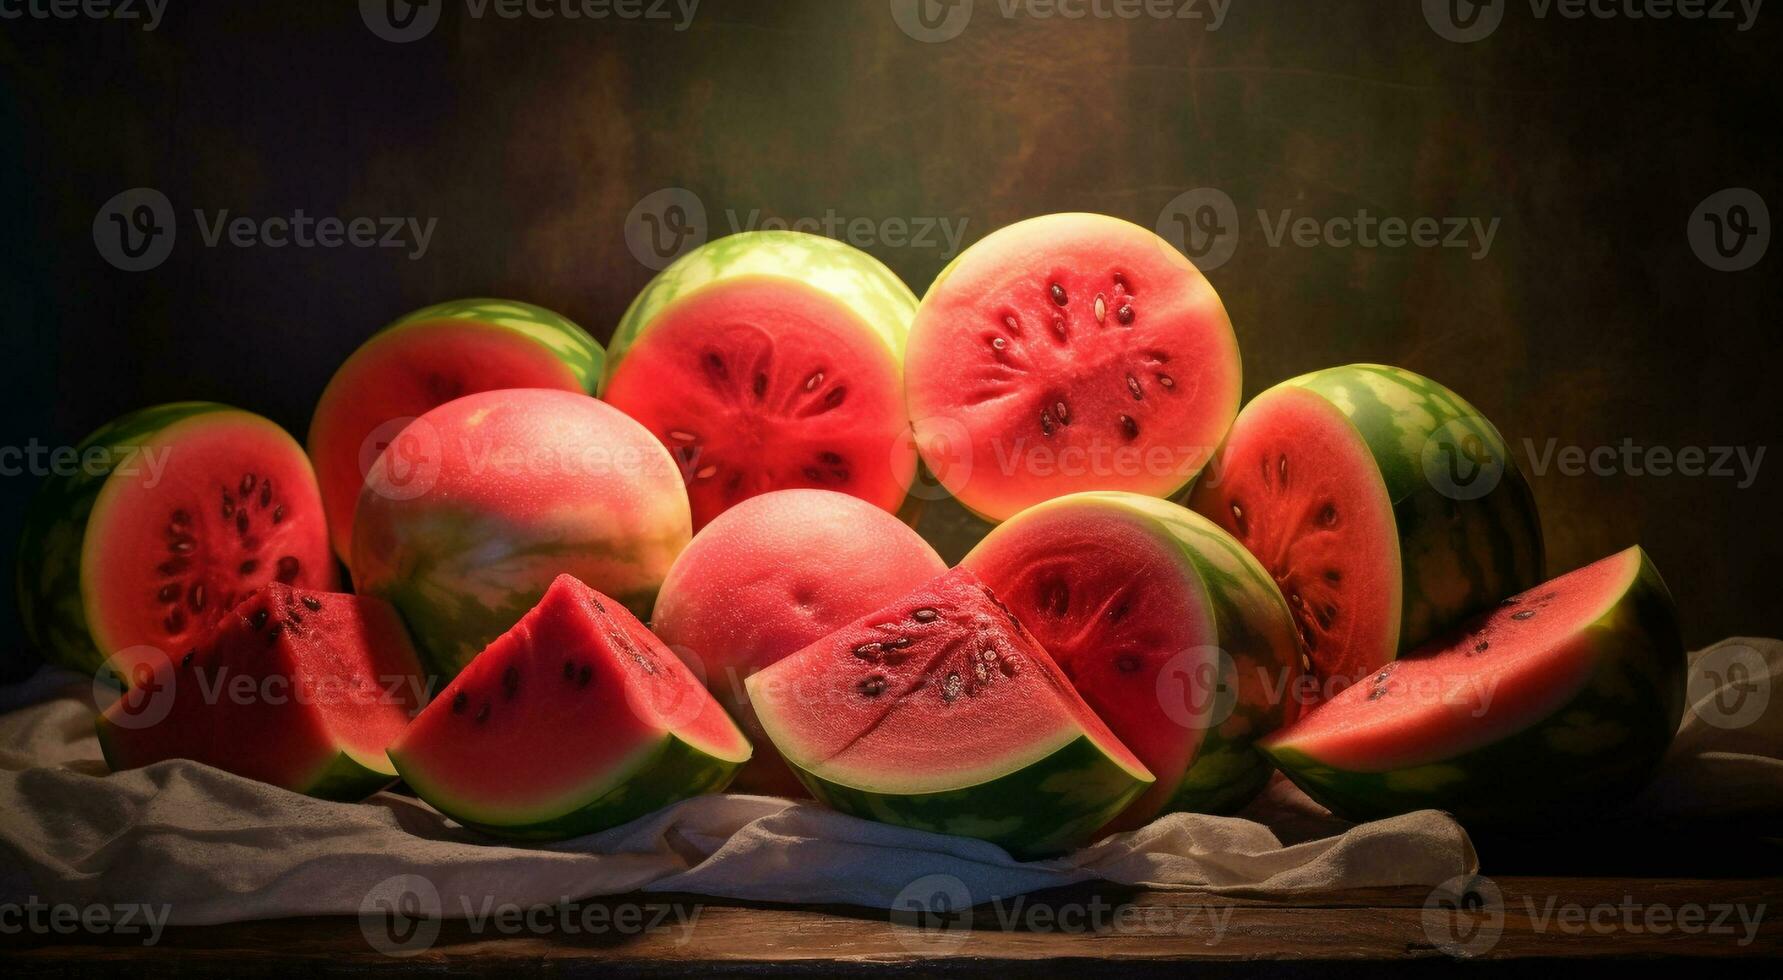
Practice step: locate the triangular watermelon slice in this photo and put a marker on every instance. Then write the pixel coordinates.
(941, 712)
(575, 720)
(1563, 698)
(300, 689)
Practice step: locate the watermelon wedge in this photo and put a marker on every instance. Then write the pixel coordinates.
(1569, 693)
(575, 720)
(303, 690)
(942, 713)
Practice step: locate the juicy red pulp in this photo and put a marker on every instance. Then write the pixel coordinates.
(218, 552)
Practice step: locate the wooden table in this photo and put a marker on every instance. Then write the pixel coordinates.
(1082, 931)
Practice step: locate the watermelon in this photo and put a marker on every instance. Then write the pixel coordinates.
(1172, 633)
(303, 690)
(771, 360)
(172, 515)
(1066, 353)
(1560, 701)
(575, 720)
(771, 576)
(940, 712)
(482, 502)
(1339, 482)
(426, 359)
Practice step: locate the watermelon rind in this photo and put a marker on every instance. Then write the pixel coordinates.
(580, 353)
(53, 603)
(877, 297)
(1601, 745)
(1046, 808)
(675, 768)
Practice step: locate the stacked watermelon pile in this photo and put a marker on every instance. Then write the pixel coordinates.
(1342, 581)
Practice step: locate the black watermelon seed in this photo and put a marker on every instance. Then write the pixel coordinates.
(278, 514)
(835, 396)
(241, 522)
(288, 569)
(247, 484)
(898, 644)
(1045, 422)
(169, 592)
(1058, 294)
(510, 681)
(228, 506)
(1129, 427)
(458, 703)
(1481, 646)
(1124, 314)
(314, 604)
(867, 651)
(569, 670)
(273, 631)
(1525, 614)
(830, 459)
(180, 518)
(1126, 663)
(186, 661)
(584, 675)
(248, 567)
(266, 492)
(872, 686)
(258, 620)
(925, 615)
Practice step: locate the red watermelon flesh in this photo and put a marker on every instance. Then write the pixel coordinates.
(303, 690)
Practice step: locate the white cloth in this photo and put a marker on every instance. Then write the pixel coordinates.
(212, 847)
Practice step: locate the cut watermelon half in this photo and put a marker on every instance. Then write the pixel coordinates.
(1569, 692)
(1067, 353)
(424, 360)
(303, 690)
(771, 360)
(1167, 627)
(575, 720)
(940, 712)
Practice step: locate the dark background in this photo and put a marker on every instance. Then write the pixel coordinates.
(1589, 321)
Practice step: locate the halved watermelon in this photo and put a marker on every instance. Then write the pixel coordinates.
(575, 720)
(1328, 479)
(1065, 353)
(174, 514)
(424, 360)
(1563, 698)
(304, 690)
(771, 360)
(940, 712)
(1167, 627)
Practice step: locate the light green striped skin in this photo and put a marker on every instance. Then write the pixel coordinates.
(1457, 557)
(1050, 807)
(50, 596)
(1596, 749)
(569, 343)
(877, 297)
(674, 771)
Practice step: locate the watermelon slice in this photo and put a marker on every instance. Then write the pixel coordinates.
(1167, 627)
(940, 712)
(1329, 480)
(1069, 352)
(424, 360)
(1569, 693)
(575, 720)
(771, 360)
(303, 690)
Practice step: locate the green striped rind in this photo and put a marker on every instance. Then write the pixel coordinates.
(675, 771)
(857, 280)
(1599, 747)
(1458, 557)
(456, 595)
(1047, 808)
(50, 596)
(343, 779)
(566, 341)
